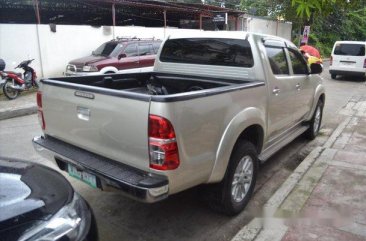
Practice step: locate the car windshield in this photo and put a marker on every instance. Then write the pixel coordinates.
(108, 49)
(350, 49)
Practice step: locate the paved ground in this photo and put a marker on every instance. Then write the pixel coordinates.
(182, 216)
(324, 199)
(25, 104)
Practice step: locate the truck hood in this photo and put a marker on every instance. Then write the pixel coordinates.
(29, 193)
(88, 60)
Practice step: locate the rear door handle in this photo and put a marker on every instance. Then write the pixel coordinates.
(276, 91)
(298, 86)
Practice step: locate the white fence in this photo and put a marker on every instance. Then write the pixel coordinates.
(53, 50)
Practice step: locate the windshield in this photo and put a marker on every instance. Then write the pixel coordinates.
(350, 49)
(108, 49)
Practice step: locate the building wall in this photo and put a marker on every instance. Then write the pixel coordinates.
(277, 28)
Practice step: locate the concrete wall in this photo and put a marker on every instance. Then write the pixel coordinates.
(282, 29)
(55, 49)
(19, 42)
(265, 26)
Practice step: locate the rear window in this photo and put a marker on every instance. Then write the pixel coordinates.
(227, 52)
(350, 49)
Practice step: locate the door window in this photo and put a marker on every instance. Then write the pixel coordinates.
(131, 50)
(277, 60)
(156, 46)
(145, 49)
(298, 63)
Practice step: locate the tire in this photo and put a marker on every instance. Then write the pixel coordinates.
(315, 121)
(333, 76)
(9, 92)
(227, 197)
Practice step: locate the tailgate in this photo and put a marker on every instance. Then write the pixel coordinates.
(103, 122)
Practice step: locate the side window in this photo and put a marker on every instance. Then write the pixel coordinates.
(145, 49)
(298, 63)
(131, 50)
(156, 46)
(277, 60)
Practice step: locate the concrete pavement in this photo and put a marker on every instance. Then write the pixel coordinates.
(24, 104)
(324, 198)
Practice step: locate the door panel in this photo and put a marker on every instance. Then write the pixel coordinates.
(131, 61)
(282, 93)
(302, 85)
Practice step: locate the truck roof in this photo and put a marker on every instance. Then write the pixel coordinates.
(225, 34)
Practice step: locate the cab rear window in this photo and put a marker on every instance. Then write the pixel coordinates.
(350, 49)
(206, 51)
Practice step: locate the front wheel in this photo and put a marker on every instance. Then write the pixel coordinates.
(315, 121)
(9, 92)
(236, 189)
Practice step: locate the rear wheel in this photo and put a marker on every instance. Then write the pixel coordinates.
(9, 92)
(234, 192)
(315, 121)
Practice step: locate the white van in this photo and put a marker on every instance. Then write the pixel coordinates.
(348, 58)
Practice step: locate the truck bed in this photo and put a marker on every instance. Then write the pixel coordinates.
(146, 86)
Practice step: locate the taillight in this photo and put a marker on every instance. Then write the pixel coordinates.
(162, 144)
(331, 60)
(364, 63)
(40, 110)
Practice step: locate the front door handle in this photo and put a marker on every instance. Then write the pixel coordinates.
(276, 91)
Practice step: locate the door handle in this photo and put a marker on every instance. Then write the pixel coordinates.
(298, 86)
(276, 90)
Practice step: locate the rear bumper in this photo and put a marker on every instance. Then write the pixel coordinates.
(134, 183)
(349, 73)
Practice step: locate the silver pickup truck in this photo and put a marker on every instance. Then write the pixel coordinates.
(216, 105)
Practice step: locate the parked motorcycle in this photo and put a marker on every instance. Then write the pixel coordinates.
(14, 83)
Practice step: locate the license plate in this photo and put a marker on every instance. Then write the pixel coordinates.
(88, 178)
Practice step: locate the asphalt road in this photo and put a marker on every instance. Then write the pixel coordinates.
(183, 216)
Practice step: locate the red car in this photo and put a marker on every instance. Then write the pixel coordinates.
(122, 55)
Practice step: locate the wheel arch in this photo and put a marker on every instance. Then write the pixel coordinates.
(106, 69)
(318, 95)
(247, 125)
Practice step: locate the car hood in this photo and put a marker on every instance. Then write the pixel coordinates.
(88, 60)
(29, 193)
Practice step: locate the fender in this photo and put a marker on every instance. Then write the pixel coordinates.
(247, 117)
(320, 90)
(108, 69)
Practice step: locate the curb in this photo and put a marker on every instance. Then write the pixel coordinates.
(253, 229)
(11, 113)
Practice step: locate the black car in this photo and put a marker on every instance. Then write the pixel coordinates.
(38, 203)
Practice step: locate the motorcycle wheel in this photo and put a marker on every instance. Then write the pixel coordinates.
(9, 92)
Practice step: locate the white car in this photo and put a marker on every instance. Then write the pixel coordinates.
(348, 58)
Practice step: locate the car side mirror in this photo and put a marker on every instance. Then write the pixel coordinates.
(120, 56)
(316, 68)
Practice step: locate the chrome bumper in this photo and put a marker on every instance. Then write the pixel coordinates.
(134, 183)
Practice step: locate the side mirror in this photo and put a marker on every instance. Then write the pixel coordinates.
(120, 56)
(316, 68)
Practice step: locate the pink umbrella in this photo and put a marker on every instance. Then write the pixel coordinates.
(310, 50)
